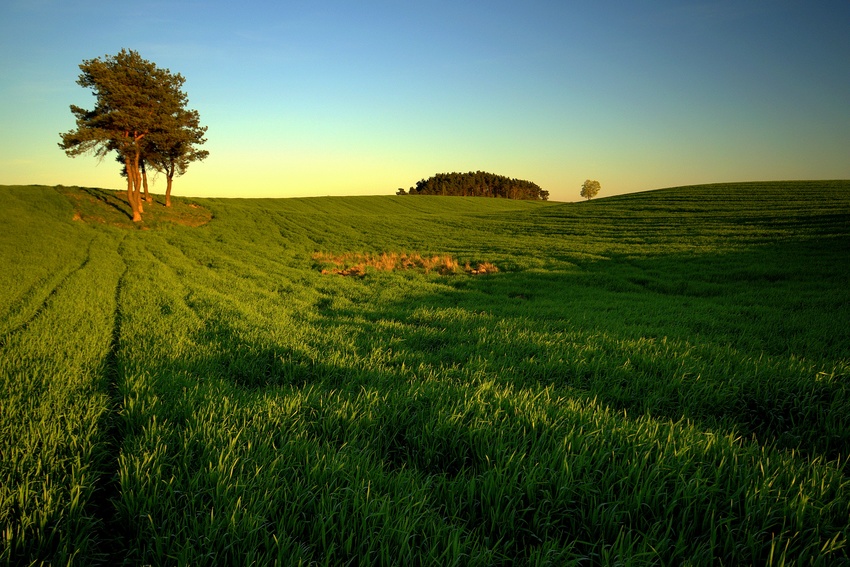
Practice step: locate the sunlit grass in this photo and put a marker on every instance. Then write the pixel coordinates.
(652, 379)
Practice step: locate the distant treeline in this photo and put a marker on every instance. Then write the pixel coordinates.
(477, 184)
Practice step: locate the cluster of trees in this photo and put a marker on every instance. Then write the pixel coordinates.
(477, 184)
(140, 113)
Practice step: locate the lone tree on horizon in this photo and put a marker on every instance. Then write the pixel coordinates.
(590, 188)
(141, 114)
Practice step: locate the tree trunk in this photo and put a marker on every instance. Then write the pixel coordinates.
(148, 197)
(131, 194)
(169, 179)
(137, 186)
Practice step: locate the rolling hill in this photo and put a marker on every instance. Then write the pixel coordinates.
(653, 378)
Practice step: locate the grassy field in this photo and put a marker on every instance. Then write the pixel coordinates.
(659, 378)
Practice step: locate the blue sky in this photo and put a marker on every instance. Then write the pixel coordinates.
(362, 97)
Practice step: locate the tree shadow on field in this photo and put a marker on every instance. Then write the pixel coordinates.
(749, 342)
(350, 423)
(398, 429)
(399, 390)
(110, 199)
(110, 207)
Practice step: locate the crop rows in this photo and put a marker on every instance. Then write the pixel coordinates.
(651, 379)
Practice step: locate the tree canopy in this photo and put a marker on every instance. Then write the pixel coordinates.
(140, 113)
(478, 184)
(171, 151)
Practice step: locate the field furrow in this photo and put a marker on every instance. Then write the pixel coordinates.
(41, 247)
(54, 400)
(33, 301)
(110, 547)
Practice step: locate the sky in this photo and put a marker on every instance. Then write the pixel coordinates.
(362, 97)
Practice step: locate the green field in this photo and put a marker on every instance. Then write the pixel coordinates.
(660, 378)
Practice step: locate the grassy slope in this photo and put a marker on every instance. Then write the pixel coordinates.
(651, 378)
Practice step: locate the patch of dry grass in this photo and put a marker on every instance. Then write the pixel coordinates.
(356, 263)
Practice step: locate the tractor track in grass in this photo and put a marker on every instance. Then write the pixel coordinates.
(107, 491)
(30, 294)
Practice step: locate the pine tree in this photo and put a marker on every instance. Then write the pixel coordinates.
(172, 149)
(137, 104)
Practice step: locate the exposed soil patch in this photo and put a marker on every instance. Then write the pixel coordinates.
(103, 206)
(356, 264)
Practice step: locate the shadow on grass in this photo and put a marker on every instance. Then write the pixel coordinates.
(110, 199)
(104, 206)
(751, 342)
(407, 387)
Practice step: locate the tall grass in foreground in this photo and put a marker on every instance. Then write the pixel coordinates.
(654, 379)
(55, 403)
